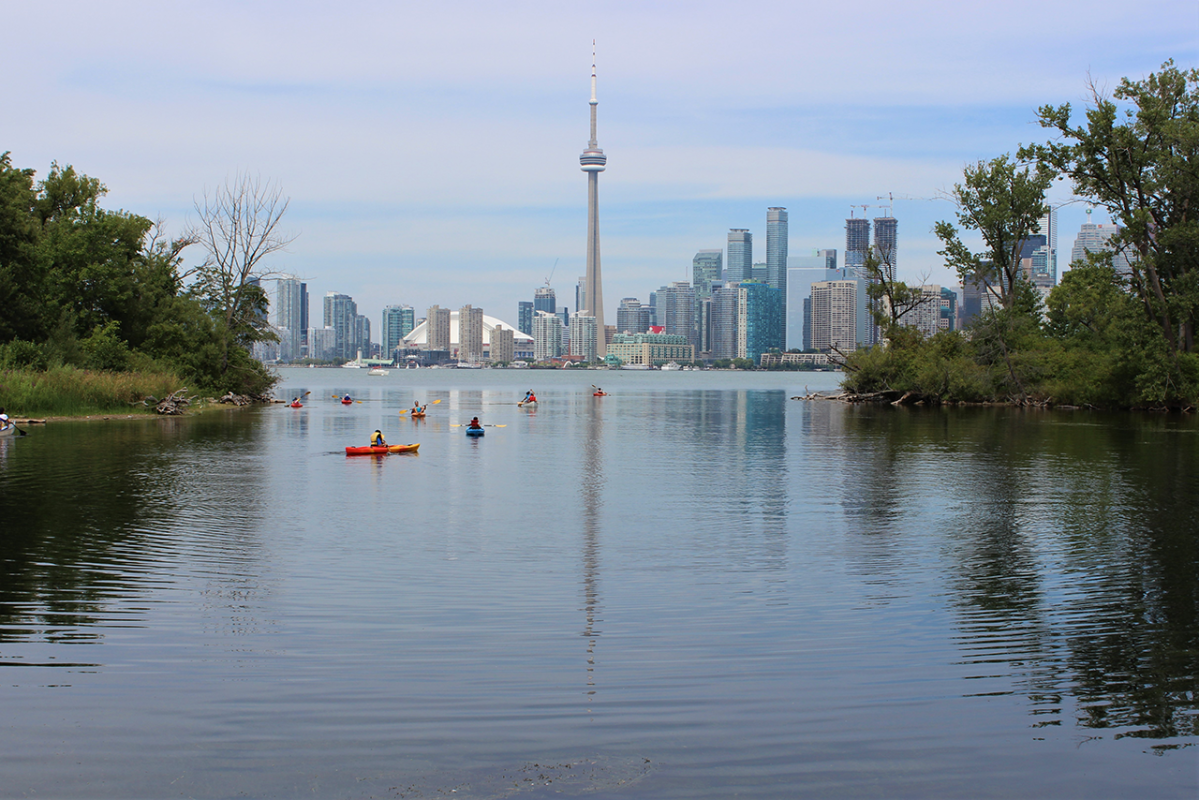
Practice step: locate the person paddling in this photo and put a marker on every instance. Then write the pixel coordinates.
(377, 439)
(475, 425)
(417, 408)
(5, 422)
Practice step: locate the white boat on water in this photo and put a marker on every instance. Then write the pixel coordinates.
(466, 365)
(377, 371)
(351, 365)
(9, 431)
(634, 366)
(671, 367)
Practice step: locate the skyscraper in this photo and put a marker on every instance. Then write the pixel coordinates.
(341, 313)
(705, 269)
(840, 317)
(1047, 227)
(776, 249)
(547, 336)
(398, 322)
(631, 316)
(592, 162)
(759, 318)
(524, 317)
(470, 333)
(1094, 238)
(676, 310)
(545, 300)
(741, 255)
(289, 317)
(886, 244)
(584, 338)
(438, 335)
(857, 244)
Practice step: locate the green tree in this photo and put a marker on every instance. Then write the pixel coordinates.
(1140, 161)
(21, 289)
(1003, 201)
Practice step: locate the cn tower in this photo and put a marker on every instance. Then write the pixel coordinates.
(592, 161)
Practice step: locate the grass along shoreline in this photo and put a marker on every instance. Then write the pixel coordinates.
(70, 392)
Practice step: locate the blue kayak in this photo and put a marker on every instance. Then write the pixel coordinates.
(474, 431)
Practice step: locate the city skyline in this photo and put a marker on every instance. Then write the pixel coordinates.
(380, 148)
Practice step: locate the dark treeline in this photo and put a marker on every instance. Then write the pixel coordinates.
(1103, 338)
(83, 286)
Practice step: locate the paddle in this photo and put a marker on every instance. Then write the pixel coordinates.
(18, 430)
(464, 424)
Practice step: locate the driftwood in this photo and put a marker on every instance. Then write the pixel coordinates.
(243, 399)
(174, 404)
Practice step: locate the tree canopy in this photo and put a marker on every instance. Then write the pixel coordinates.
(103, 289)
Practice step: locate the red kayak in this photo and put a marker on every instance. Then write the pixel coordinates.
(599, 394)
(370, 450)
(296, 405)
(345, 401)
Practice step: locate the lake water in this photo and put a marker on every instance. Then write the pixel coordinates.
(695, 587)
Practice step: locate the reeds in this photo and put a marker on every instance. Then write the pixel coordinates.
(70, 392)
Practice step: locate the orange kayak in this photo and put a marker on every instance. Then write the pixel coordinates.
(296, 405)
(381, 451)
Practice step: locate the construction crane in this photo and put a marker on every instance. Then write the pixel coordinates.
(551, 275)
(863, 207)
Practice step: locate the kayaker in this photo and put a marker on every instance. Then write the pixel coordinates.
(377, 439)
(417, 408)
(5, 422)
(347, 399)
(529, 397)
(475, 424)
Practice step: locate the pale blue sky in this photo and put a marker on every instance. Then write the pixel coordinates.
(431, 150)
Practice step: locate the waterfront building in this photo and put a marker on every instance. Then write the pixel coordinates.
(440, 333)
(470, 333)
(776, 249)
(676, 310)
(584, 336)
(759, 320)
(547, 336)
(322, 343)
(840, 315)
(631, 316)
(926, 316)
(593, 162)
(802, 272)
(436, 330)
(340, 313)
(398, 322)
(524, 317)
(362, 336)
(503, 345)
(290, 319)
(651, 349)
(741, 255)
(722, 325)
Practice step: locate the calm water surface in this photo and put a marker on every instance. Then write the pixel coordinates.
(695, 587)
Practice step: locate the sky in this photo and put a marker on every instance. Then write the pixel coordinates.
(430, 150)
